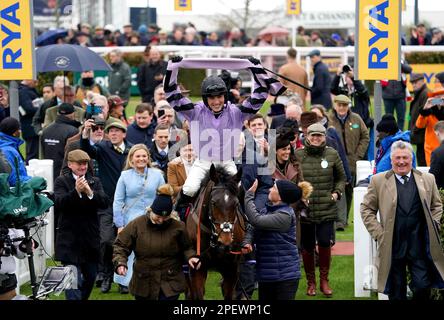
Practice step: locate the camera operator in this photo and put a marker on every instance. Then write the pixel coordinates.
(344, 83)
(8, 250)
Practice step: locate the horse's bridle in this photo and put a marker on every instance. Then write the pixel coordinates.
(225, 226)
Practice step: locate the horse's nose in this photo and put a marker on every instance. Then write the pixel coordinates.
(226, 227)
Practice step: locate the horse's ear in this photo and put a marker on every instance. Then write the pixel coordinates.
(213, 174)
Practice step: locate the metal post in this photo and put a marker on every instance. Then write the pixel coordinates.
(377, 103)
(13, 99)
(416, 12)
(293, 31)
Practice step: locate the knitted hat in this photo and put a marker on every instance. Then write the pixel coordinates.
(308, 118)
(387, 124)
(163, 203)
(9, 126)
(288, 191)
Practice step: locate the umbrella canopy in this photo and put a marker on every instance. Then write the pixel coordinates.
(50, 37)
(275, 31)
(68, 57)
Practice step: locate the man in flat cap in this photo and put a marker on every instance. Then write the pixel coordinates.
(354, 137)
(420, 92)
(78, 197)
(320, 91)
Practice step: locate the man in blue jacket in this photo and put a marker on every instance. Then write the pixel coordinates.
(9, 147)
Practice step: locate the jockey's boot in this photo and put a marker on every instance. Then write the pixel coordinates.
(324, 268)
(309, 267)
(182, 202)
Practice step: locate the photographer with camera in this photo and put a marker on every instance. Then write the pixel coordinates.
(345, 83)
(432, 112)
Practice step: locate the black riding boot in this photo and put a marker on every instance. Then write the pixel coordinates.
(182, 203)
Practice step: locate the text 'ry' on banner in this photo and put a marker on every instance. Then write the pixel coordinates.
(378, 37)
(294, 7)
(17, 40)
(182, 5)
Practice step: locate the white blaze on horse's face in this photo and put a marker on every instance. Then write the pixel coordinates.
(226, 198)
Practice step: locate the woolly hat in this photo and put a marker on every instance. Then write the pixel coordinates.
(288, 191)
(9, 126)
(387, 124)
(163, 203)
(308, 118)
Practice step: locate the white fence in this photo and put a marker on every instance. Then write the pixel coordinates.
(44, 235)
(263, 53)
(365, 248)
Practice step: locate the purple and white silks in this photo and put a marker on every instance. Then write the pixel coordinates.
(217, 139)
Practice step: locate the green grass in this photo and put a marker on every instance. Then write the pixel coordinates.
(341, 280)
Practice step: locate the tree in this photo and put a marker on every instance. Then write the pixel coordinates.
(243, 18)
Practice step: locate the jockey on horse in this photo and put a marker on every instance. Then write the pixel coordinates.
(215, 117)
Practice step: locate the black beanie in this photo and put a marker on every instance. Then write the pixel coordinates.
(163, 203)
(440, 77)
(9, 126)
(388, 124)
(288, 191)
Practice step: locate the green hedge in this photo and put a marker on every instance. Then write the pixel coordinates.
(425, 57)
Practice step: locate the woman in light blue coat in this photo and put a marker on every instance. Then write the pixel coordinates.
(135, 191)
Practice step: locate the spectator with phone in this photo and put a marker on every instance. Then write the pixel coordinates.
(165, 115)
(432, 112)
(111, 157)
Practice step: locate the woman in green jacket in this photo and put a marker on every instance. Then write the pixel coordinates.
(322, 167)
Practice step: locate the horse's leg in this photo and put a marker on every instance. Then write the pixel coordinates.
(197, 283)
(230, 276)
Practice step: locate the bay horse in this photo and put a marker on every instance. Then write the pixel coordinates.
(216, 227)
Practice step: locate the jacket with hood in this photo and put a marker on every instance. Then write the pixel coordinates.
(9, 146)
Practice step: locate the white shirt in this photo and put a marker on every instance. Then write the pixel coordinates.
(158, 149)
(400, 177)
(187, 165)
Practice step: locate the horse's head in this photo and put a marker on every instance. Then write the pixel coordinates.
(224, 206)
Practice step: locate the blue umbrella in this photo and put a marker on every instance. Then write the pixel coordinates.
(50, 37)
(68, 57)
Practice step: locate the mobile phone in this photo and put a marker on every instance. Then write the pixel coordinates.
(437, 101)
(161, 113)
